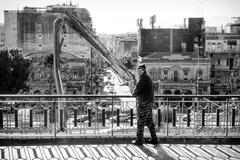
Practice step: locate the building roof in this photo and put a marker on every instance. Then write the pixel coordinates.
(129, 39)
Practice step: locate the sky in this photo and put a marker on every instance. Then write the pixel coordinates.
(120, 16)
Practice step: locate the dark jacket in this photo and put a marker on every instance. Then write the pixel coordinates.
(144, 89)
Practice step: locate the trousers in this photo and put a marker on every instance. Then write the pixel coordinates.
(145, 119)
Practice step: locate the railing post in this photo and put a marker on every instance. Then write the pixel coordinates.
(174, 117)
(45, 117)
(16, 118)
(89, 117)
(233, 117)
(61, 118)
(159, 118)
(227, 118)
(218, 118)
(112, 117)
(1, 118)
(55, 118)
(118, 119)
(103, 117)
(167, 115)
(203, 117)
(131, 117)
(75, 117)
(188, 117)
(31, 119)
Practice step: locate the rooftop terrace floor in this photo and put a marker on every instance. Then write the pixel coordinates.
(118, 149)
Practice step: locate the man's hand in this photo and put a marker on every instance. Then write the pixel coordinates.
(131, 85)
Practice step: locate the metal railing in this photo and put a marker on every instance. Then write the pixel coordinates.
(113, 115)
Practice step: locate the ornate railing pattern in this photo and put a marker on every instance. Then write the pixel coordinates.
(112, 115)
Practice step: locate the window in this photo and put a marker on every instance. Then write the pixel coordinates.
(39, 28)
(218, 61)
(184, 46)
(74, 75)
(213, 46)
(185, 74)
(218, 79)
(165, 74)
(232, 44)
(219, 45)
(80, 88)
(156, 85)
(175, 78)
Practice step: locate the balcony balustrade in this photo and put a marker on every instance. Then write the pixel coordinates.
(112, 116)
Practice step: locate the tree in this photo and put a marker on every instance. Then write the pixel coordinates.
(129, 59)
(14, 71)
(46, 64)
(234, 83)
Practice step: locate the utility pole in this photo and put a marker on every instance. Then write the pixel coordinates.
(198, 52)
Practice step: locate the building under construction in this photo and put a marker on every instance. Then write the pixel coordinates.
(31, 29)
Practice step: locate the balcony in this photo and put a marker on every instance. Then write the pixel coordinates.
(100, 127)
(27, 116)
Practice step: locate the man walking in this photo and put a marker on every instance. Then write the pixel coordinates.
(145, 98)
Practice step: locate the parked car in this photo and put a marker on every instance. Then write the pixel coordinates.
(122, 118)
(82, 118)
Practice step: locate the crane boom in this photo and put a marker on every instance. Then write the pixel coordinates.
(75, 23)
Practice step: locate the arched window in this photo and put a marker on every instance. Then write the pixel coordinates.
(185, 74)
(175, 78)
(165, 74)
(74, 75)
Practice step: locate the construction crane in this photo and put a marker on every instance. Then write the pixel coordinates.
(75, 23)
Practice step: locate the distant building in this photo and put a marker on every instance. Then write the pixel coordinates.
(210, 29)
(224, 50)
(123, 44)
(32, 30)
(126, 45)
(235, 27)
(175, 58)
(107, 40)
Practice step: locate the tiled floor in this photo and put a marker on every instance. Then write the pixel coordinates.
(121, 152)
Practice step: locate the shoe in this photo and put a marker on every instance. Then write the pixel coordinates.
(152, 141)
(139, 143)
